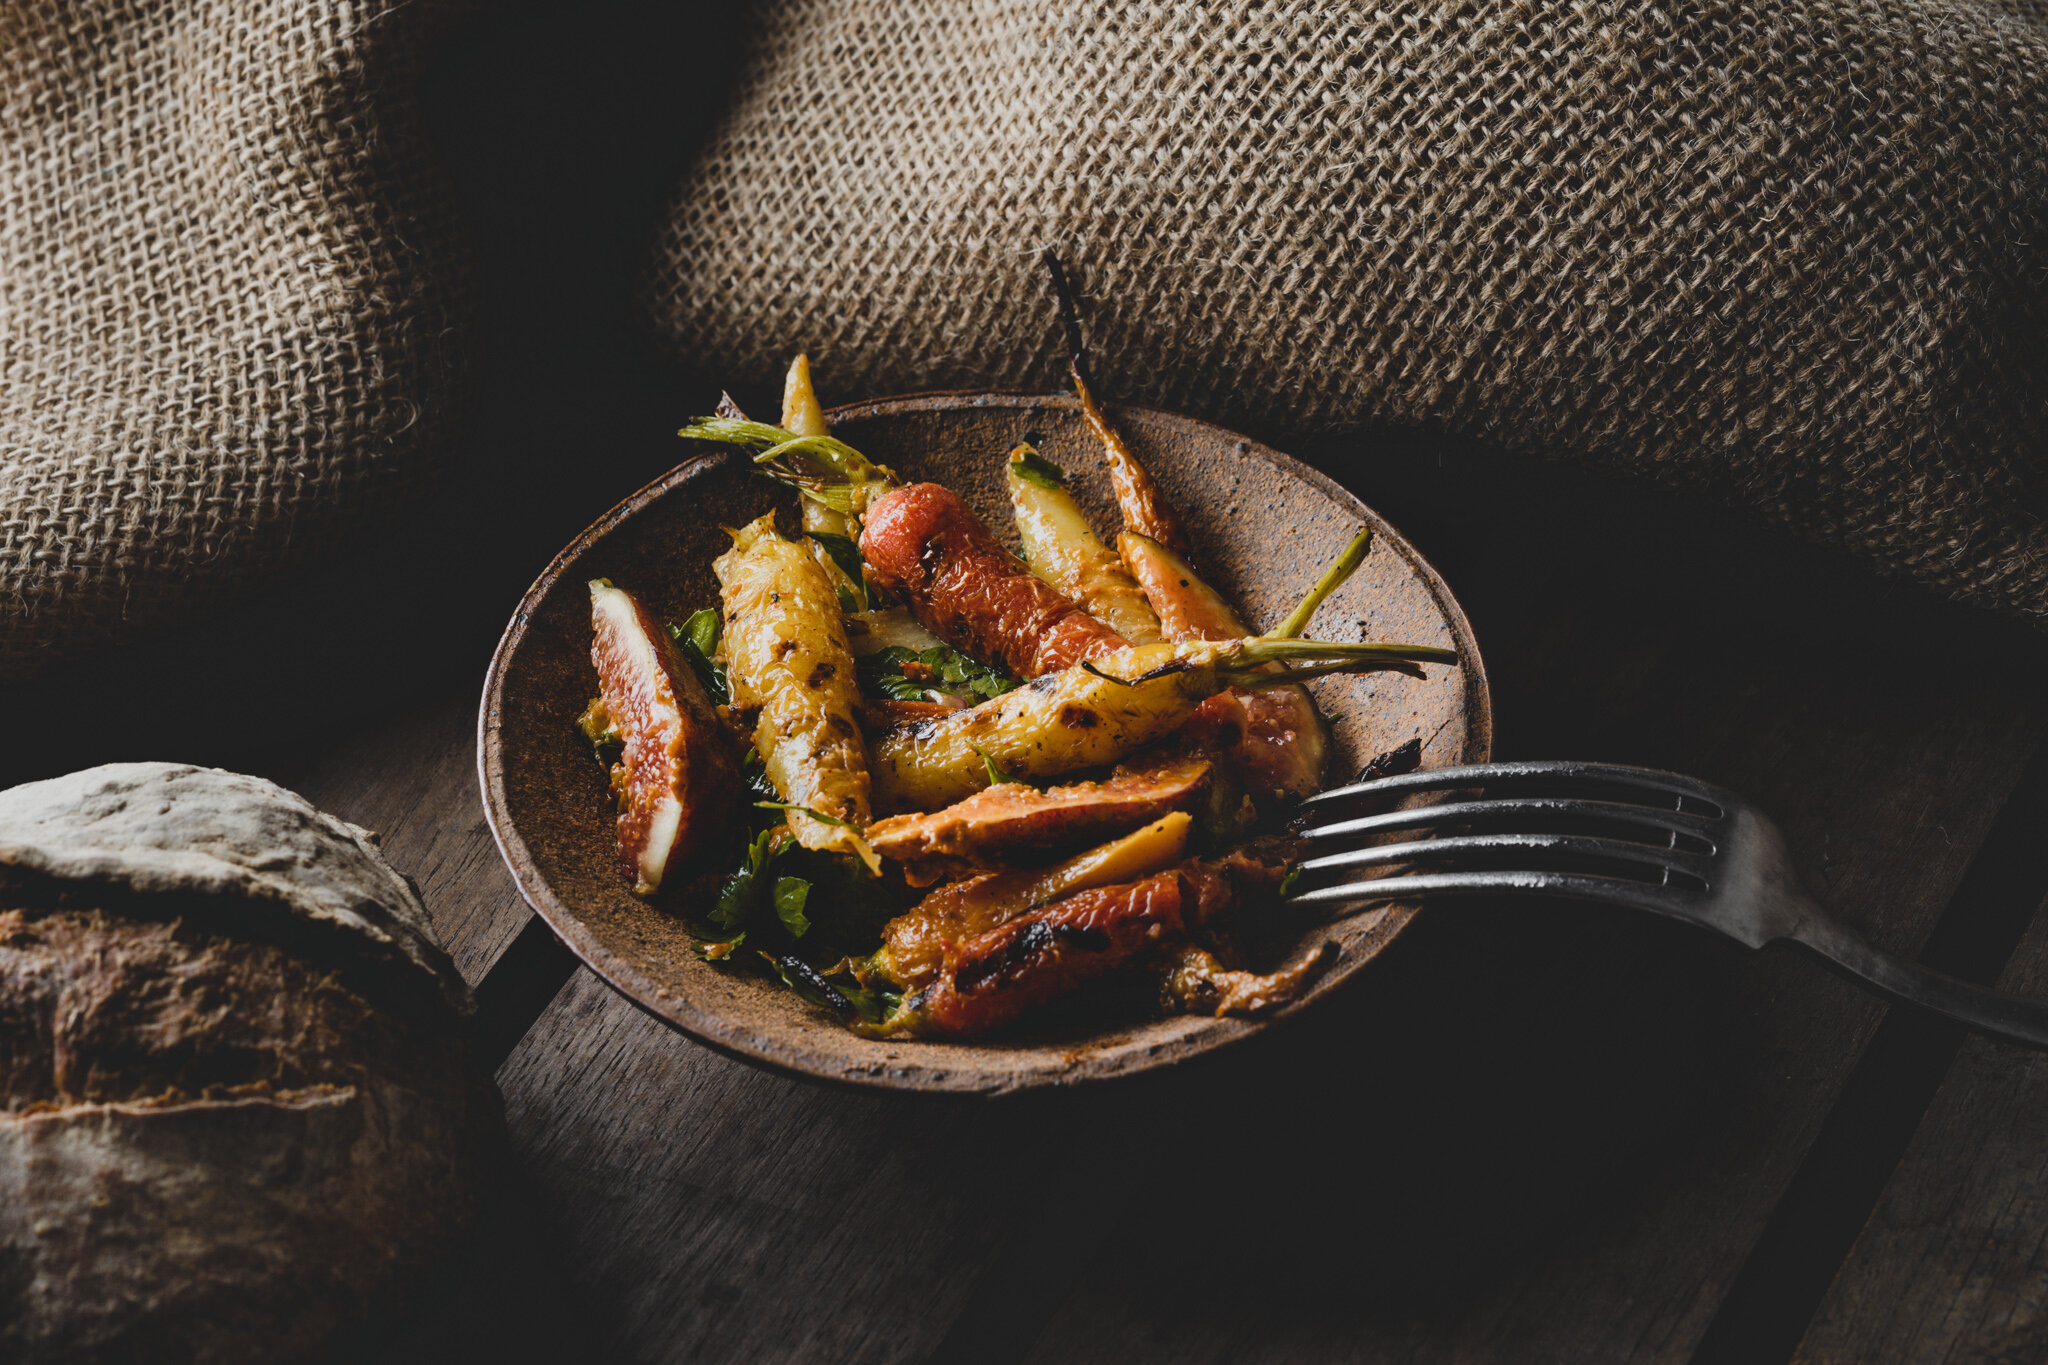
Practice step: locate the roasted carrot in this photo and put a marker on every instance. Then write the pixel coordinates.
(991, 979)
(803, 416)
(787, 659)
(1096, 712)
(925, 544)
(1285, 746)
(1009, 823)
(914, 944)
(1064, 550)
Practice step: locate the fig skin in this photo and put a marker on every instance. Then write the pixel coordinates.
(677, 779)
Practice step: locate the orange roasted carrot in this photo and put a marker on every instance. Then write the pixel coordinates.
(994, 978)
(926, 545)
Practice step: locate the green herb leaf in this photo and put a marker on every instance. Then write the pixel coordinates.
(743, 891)
(996, 776)
(790, 895)
(817, 815)
(1287, 882)
(697, 640)
(846, 554)
(1028, 465)
(754, 773)
(938, 669)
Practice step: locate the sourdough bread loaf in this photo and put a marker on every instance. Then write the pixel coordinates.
(235, 1110)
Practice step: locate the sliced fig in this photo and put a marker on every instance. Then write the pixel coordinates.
(677, 779)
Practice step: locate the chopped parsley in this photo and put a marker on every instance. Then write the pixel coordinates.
(846, 554)
(1032, 467)
(808, 916)
(697, 640)
(907, 674)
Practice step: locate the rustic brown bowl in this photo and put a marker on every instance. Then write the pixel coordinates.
(1264, 526)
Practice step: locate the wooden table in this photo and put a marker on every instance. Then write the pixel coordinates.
(1528, 1133)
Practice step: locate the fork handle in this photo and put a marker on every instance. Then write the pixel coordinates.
(2002, 1015)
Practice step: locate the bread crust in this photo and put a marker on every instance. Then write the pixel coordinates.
(173, 841)
(218, 1146)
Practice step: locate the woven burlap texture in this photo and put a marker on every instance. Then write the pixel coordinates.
(224, 316)
(1788, 256)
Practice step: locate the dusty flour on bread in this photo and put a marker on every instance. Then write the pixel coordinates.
(218, 1140)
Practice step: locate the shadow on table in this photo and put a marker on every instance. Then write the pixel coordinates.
(1496, 1083)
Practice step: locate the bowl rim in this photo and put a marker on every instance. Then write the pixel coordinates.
(624, 976)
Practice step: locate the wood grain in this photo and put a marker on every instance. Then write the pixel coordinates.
(712, 1211)
(1951, 1264)
(1599, 1210)
(411, 776)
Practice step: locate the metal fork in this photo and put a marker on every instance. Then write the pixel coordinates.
(1680, 848)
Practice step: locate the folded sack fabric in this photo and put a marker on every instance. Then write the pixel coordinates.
(224, 306)
(1789, 256)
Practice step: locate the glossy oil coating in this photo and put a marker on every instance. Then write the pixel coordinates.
(1264, 526)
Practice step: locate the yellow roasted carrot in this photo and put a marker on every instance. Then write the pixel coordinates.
(1062, 549)
(1092, 714)
(786, 654)
(803, 415)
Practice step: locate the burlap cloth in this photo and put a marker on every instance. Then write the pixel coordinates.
(1789, 256)
(225, 308)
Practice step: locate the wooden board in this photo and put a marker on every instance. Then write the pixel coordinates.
(1531, 1133)
(1582, 1179)
(1513, 1140)
(1952, 1263)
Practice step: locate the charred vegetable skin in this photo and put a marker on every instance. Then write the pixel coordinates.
(786, 657)
(1285, 745)
(994, 978)
(676, 778)
(1093, 714)
(1010, 822)
(915, 943)
(926, 545)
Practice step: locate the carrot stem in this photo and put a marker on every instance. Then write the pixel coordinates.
(1333, 578)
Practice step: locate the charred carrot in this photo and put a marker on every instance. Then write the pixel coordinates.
(915, 943)
(1286, 744)
(992, 979)
(925, 544)
(1096, 712)
(1143, 505)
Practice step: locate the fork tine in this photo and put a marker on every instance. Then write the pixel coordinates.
(1479, 774)
(1457, 812)
(1660, 900)
(1579, 845)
